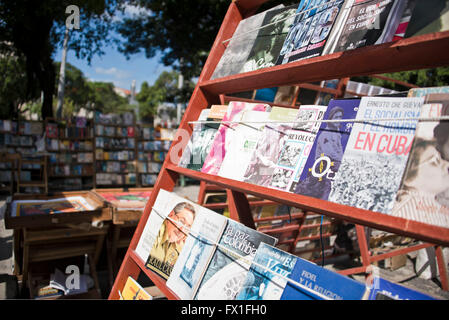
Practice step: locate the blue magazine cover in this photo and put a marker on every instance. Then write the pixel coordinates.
(325, 283)
(385, 290)
(327, 151)
(267, 284)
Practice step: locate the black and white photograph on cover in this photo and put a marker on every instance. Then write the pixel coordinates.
(192, 261)
(303, 120)
(424, 192)
(281, 178)
(264, 157)
(290, 154)
(365, 184)
(270, 39)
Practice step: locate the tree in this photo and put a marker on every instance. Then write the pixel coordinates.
(76, 88)
(165, 89)
(105, 99)
(35, 29)
(179, 29)
(13, 86)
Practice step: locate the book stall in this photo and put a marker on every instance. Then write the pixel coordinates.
(374, 159)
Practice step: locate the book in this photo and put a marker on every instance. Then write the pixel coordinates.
(216, 259)
(424, 192)
(239, 46)
(134, 291)
(364, 23)
(162, 241)
(266, 279)
(427, 17)
(383, 289)
(312, 282)
(421, 92)
(68, 285)
(270, 38)
(310, 30)
(224, 135)
(295, 151)
(241, 147)
(20, 208)
(376, 153)
(327, 151)
(192, 157)
(263, 160)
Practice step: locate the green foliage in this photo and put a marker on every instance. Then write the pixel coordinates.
(12, 86)
(165, 89)
(36, 28)
(182, 30)
(423, 78)
(105, 99)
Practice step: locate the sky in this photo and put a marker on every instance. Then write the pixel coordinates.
(114, 67)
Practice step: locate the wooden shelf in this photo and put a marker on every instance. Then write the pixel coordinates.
(426, 51)
(406, 54)
(359, 216)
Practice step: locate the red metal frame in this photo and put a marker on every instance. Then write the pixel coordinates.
(413, 53)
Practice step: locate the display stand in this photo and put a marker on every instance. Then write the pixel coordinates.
(47, 236)
(124, 221)
(424, 51)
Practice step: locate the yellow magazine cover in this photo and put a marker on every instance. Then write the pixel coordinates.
(133, 291)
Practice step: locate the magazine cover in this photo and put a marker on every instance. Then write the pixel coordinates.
(134, 291)
(162, 240)
(383, 289)
(224, 136)
(238, 48)
(227, 269)
(202, 138)
(195, 142)
(242, 145)
(368, 22)
(21, 208)
(327, 151)
(376, 154)
(424, 192)
(267, 283)
(423, 20)
(318, 283)
(270, 39)
(310, 30)
(263, 160)
(421, 92)
(198, 249)
(295, 151)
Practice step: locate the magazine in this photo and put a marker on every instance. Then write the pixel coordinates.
(383, 289)
(162, 240)
(238, 48)
(421, 92)
(376, 153)
(309, 32)
(269, 39)
(225, 134)
(327, 151)
(366, 22)
(263, 160)
(134, 291)
(267, 283)
(202, 138)
(295, 151)
(219, 254)
(427, 17)
(424, 192)
(242, 145)
(318, 283)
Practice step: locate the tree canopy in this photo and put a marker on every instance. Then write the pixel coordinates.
(32, 30)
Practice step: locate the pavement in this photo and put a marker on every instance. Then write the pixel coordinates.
(10, 288)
